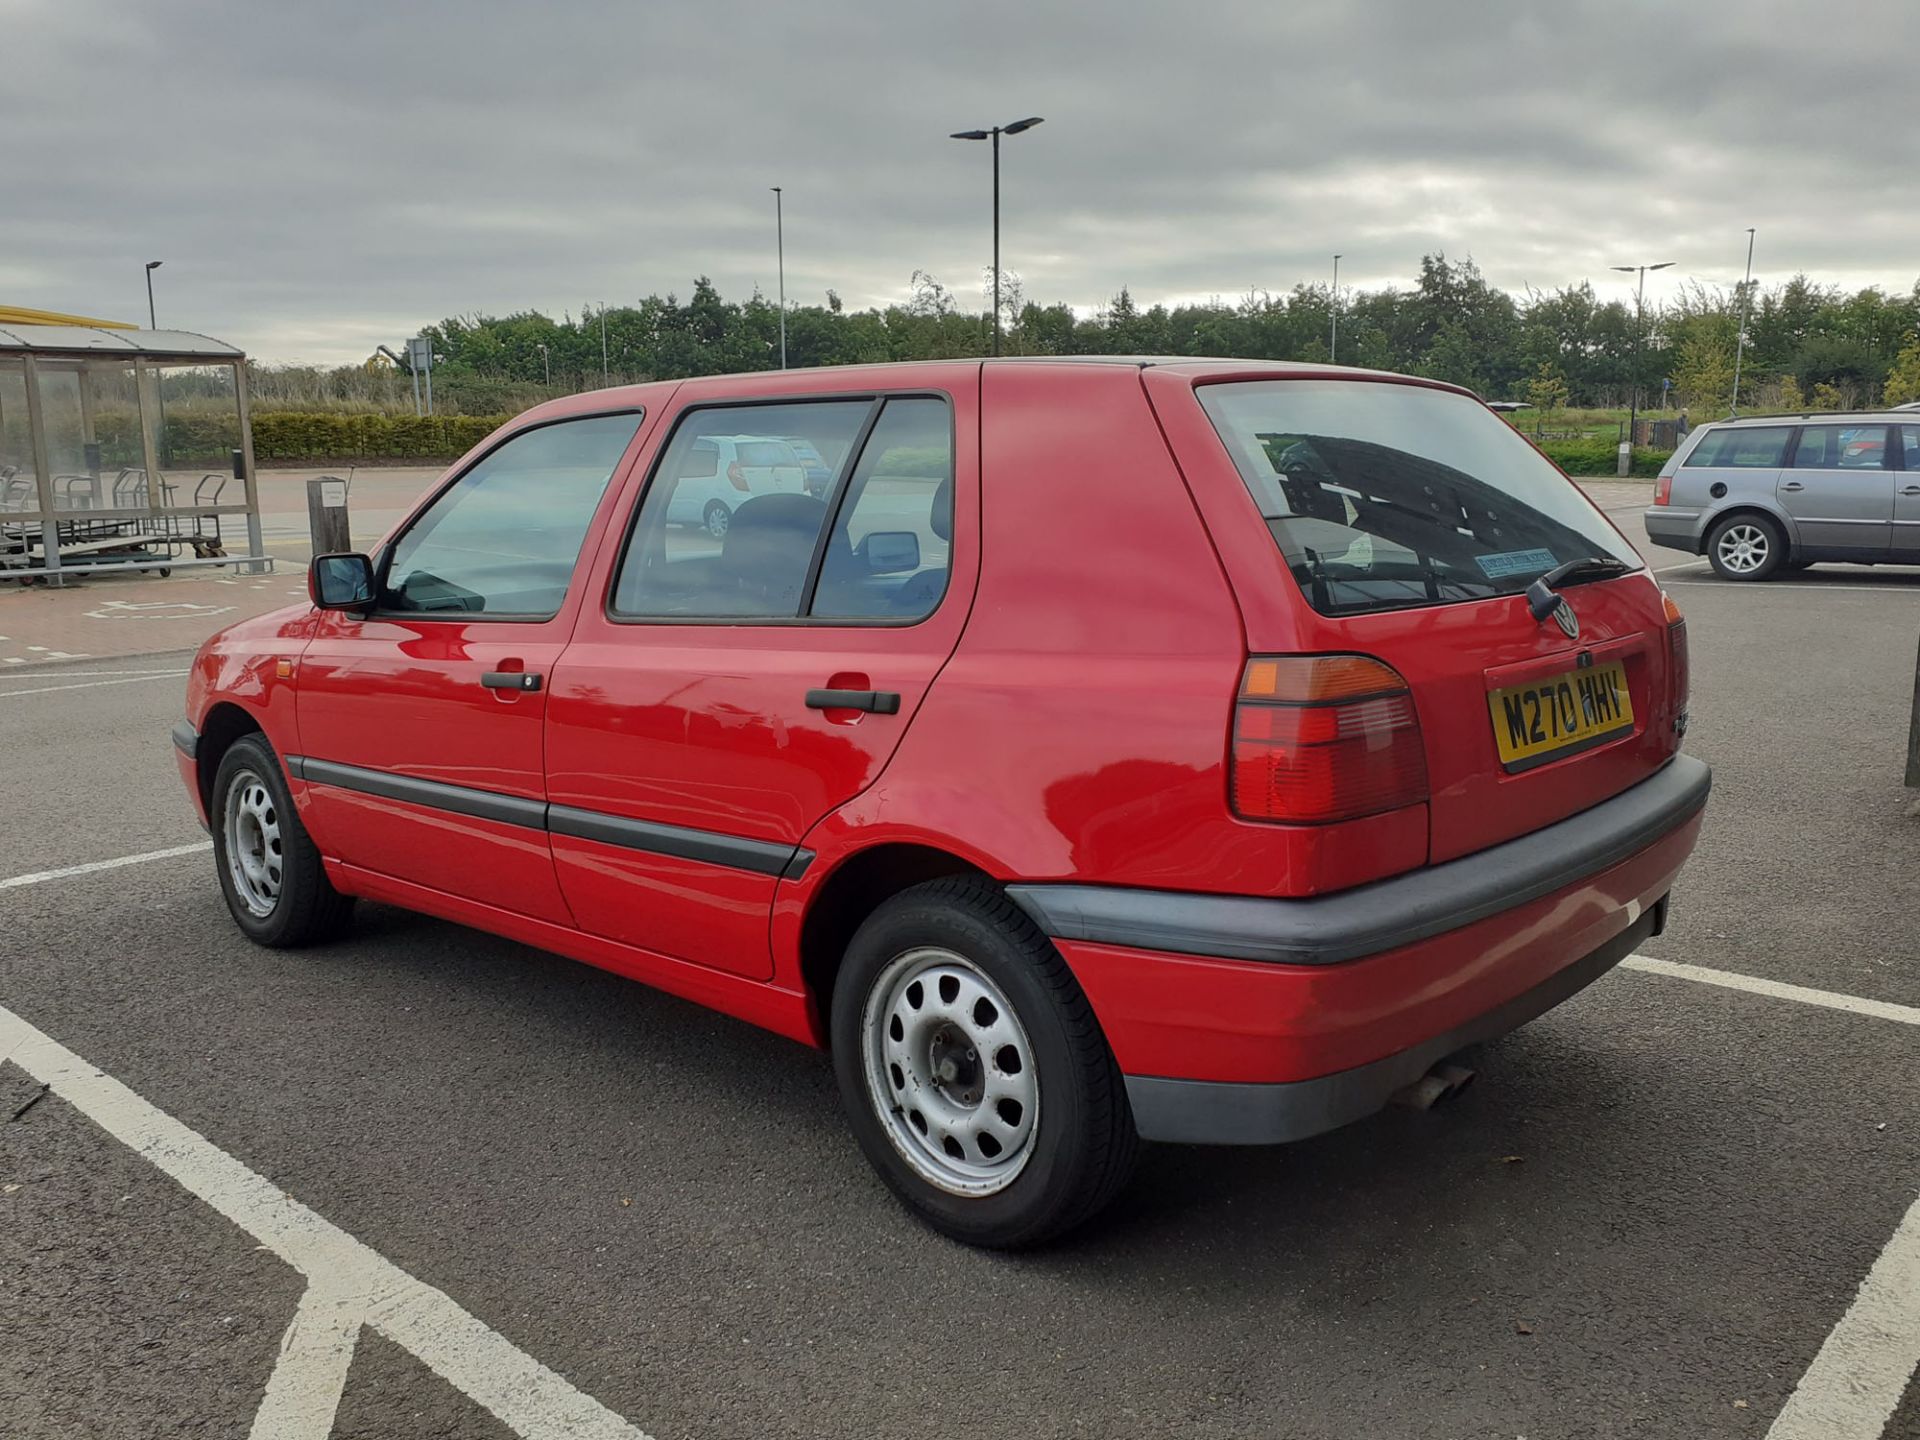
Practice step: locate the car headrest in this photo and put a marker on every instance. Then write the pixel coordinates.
(769, 543)
(941, 521)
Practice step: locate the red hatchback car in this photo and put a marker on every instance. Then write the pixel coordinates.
(1188, 751)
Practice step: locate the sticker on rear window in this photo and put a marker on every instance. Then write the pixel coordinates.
(1514, 562)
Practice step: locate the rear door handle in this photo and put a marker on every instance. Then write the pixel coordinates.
(525, 680)
(874, 702)
(1910, 489)
(1793, 485)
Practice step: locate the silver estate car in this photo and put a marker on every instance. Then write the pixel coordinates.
(1776, 492)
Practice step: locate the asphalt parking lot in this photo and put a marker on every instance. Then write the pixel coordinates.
(563, 1204)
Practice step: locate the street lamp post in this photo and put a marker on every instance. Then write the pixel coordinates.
(604, 381)
(1639, 329)
(546, 365)
(152, 265)
(994, 135)
(1333, 298)
(780, 252)
(1746, 308)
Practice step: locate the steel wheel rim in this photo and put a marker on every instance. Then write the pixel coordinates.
(251, 831)
(950, 1072)
(1744, 548)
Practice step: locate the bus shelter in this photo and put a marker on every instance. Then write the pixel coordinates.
(123, 448)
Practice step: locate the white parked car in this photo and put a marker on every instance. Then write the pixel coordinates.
(723, 472)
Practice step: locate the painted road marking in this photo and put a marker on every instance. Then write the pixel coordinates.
(349, 1285)
(1854, 1383)
(93, 684)
(1769, 585)
(93, 866)
(1831, 1000)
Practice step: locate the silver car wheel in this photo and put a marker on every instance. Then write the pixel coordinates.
(1743, 549)
(718, 520)
(250, 828)
(950, 1072)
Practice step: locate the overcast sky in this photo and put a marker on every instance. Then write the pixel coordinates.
(322, 177)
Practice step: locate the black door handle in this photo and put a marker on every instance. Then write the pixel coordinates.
(524, 680)
(876, 702)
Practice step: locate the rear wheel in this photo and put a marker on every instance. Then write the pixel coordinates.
(270, 872)
(1746, 547)
(717, 519)
(974, 1074)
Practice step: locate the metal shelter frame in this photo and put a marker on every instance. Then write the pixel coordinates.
(88, 474)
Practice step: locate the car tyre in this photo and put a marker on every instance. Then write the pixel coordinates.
(975, 1075)
(269, 869)
(718, 519)
(1746, 547)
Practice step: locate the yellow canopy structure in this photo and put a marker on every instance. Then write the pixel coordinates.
(20, 315)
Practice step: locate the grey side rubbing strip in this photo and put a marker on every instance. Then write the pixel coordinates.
(458, 799)
(1388, 913)
(186, 739)
(763, 857)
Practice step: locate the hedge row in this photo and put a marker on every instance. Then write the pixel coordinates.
(280, 435)
(1599, 457)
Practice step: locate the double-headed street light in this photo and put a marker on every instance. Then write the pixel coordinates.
(1639, 329)
(994, 135)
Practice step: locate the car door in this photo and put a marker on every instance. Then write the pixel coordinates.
(421, 722)
(721, 697)
(1838, 489)
(1906, 496)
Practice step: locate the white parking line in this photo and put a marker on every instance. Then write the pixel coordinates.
(1854, 1383)
(39, 877)
(1754, 984)
(1768, 586)
(92, 684)
(349, 1284)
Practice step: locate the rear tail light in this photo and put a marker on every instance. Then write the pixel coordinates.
(1318, 738)
(736, 477)
(1663, 489)
(1679, 669)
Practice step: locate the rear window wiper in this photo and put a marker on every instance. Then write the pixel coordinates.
(1542, 596)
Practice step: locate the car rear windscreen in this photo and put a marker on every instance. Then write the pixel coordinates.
(765, 452)
(1384, 495)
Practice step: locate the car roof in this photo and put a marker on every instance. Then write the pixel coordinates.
(1889, 416)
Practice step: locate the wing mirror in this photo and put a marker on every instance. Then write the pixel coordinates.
(890, 552)
(341, 582)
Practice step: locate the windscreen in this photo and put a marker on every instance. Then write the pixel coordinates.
(1383, 496)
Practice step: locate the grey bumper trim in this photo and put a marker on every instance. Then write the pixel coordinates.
(186, 739)
(1389, 913)
(1210, 1112)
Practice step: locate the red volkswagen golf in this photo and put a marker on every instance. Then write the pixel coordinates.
(1113, 750)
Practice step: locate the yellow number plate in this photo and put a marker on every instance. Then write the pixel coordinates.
(1547, 719)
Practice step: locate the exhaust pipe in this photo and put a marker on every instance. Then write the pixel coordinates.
(1442, 1082)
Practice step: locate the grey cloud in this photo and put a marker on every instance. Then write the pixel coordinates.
(322, 178)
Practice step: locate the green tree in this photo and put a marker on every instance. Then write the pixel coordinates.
(1827, 397)
(1703, 370)
(1547, 391)
(1903, 380)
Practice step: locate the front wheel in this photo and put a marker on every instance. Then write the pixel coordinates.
(975, 1076)
(1746, 547)
(270, 872)
(718, 519)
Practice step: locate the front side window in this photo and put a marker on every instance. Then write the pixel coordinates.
(503, 539)
(728, 526)
(1756, 447)
(1841, 447)
(1383, 495)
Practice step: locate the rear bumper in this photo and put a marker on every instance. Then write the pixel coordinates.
(1675, 529)
(1243, 1020)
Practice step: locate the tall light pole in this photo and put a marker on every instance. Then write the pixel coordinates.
(780, 251)
(546, 365)
(1746, 308)
(1333, 298)
(152, 265)
(994, 135)
(604, 381)
(1639, 329)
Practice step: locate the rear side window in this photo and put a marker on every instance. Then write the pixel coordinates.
(1743, 448)
(1910, 445)
(1382, 495)
(1841, 447)
(504, 537)
(891, 547)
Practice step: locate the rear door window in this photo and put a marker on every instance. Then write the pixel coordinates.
(891, 547)
(1841, 447)
(1742, 448)
(1384, 495)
